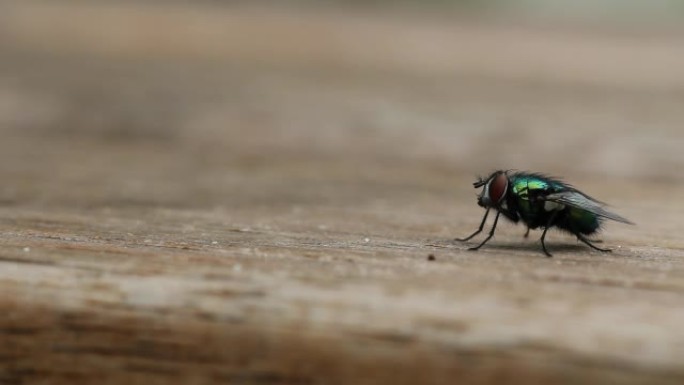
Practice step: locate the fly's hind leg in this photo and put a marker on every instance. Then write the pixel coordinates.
(588, 243)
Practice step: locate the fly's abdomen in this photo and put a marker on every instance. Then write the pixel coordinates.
(580, 221)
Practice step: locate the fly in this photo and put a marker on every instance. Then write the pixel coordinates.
(540, 201)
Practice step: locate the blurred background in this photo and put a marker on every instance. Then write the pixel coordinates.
(136, 103)
(303, 166)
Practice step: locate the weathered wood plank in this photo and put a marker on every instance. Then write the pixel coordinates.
(175, 218)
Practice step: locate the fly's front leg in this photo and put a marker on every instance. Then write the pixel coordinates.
(491, 232)
(478, 231)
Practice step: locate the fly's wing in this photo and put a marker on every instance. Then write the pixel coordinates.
(575, 198)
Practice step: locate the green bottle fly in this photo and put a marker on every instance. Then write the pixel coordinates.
(540, 202)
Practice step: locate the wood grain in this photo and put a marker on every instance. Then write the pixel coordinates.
(202, 215)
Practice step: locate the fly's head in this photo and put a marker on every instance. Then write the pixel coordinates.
(494, 189)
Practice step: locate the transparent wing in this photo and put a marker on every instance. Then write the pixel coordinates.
(577, 199)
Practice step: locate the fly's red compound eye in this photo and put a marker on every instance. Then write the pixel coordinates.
(498, 186)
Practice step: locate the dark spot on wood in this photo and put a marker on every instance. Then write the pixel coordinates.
(431, 257)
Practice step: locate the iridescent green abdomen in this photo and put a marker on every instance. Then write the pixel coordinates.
(579, 221)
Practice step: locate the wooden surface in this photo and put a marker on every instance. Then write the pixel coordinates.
(180, 205)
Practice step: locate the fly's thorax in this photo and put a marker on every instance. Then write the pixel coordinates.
(494, 191)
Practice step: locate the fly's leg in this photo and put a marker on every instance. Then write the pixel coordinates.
(543, 245)
(548, 224)
(527, 233)
(478, 231)
(491, 232)
(588, 243)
